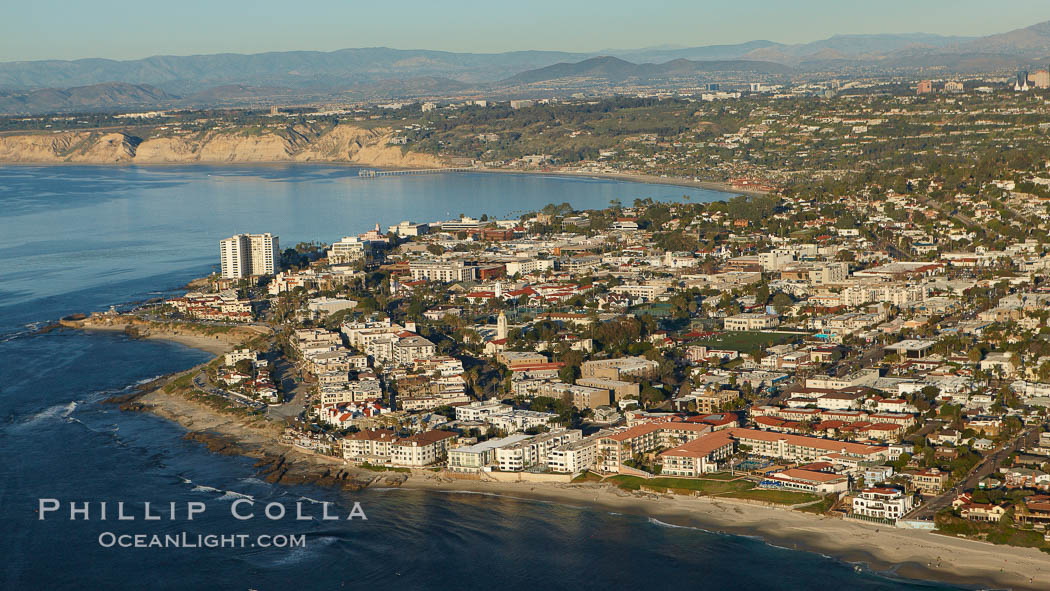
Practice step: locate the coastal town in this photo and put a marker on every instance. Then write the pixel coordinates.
(572, 295)
(871, 351)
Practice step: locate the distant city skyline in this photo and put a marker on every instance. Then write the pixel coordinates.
(123, 29)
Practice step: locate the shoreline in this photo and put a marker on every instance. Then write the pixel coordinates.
(216, 344)
(887, 551)
(642, 179)
(639, 178)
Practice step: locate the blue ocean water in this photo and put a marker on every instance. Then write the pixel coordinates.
(84, 238)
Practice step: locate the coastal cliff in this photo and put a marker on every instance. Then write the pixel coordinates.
(341, 143)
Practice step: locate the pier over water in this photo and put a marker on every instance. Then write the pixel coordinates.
(369, 173)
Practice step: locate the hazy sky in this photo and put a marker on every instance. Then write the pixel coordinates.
(127, 29)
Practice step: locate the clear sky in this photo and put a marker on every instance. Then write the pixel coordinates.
(128, 29)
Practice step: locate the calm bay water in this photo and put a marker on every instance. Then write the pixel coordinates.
(84, 238)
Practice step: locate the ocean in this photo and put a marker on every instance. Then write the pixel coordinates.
(81, 239)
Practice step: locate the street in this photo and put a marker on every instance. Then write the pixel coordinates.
(988, 465)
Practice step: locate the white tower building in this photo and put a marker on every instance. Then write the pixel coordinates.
(245, 255)
(501, 326)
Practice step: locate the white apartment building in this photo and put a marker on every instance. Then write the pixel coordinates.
(407, 228)
(829, 273)
(526, 266)
(241, 354)
(882, 503)
(348, 250)
(576, 456)
(441, 271)
(422, 449)
(245, 255)
(774, 260)
(481, 410)
(533, 451)
(478, 457)
(648, 292)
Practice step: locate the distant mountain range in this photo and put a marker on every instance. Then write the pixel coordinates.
(614, 69)
(354, 74)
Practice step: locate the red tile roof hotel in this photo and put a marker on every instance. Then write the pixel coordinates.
(703, 446)
(647, 428)
(800, 447)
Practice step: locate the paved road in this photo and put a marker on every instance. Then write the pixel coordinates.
(294, 392)
(988, 465)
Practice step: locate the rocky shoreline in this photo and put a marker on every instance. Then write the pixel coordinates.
(276, 463)
(894, 552)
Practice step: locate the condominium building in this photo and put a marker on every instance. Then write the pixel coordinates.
(799, 448)
(615, 369)
(534, 451)
(348, 250)
(245, 255)
(698, 456)
(615, 448)
(421, 449)
(882, 503)
(576, 456)
(441, 271)
(478, 457)
(929, 482)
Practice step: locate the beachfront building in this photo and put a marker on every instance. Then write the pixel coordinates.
(575, 457)
(385, 447)
(421, 449)
(369, 445)
(929, 482)
(697, 457)
(808, 481)
(534, 451)
(245, 255)
(615, 448)
(477, 457)
(882, 503)
(800, 448)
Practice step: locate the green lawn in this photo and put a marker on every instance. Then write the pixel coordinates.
(375, 468)
(707, 487)
(819, 508)
(780, 497)
(720, 476)
(587, 477)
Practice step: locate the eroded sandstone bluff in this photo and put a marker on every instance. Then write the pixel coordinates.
(341, 143)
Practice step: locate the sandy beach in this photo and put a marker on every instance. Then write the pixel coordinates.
(634, 178)
(906, 553)
(216, 344)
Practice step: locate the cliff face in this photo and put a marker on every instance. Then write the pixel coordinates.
(343, 143)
